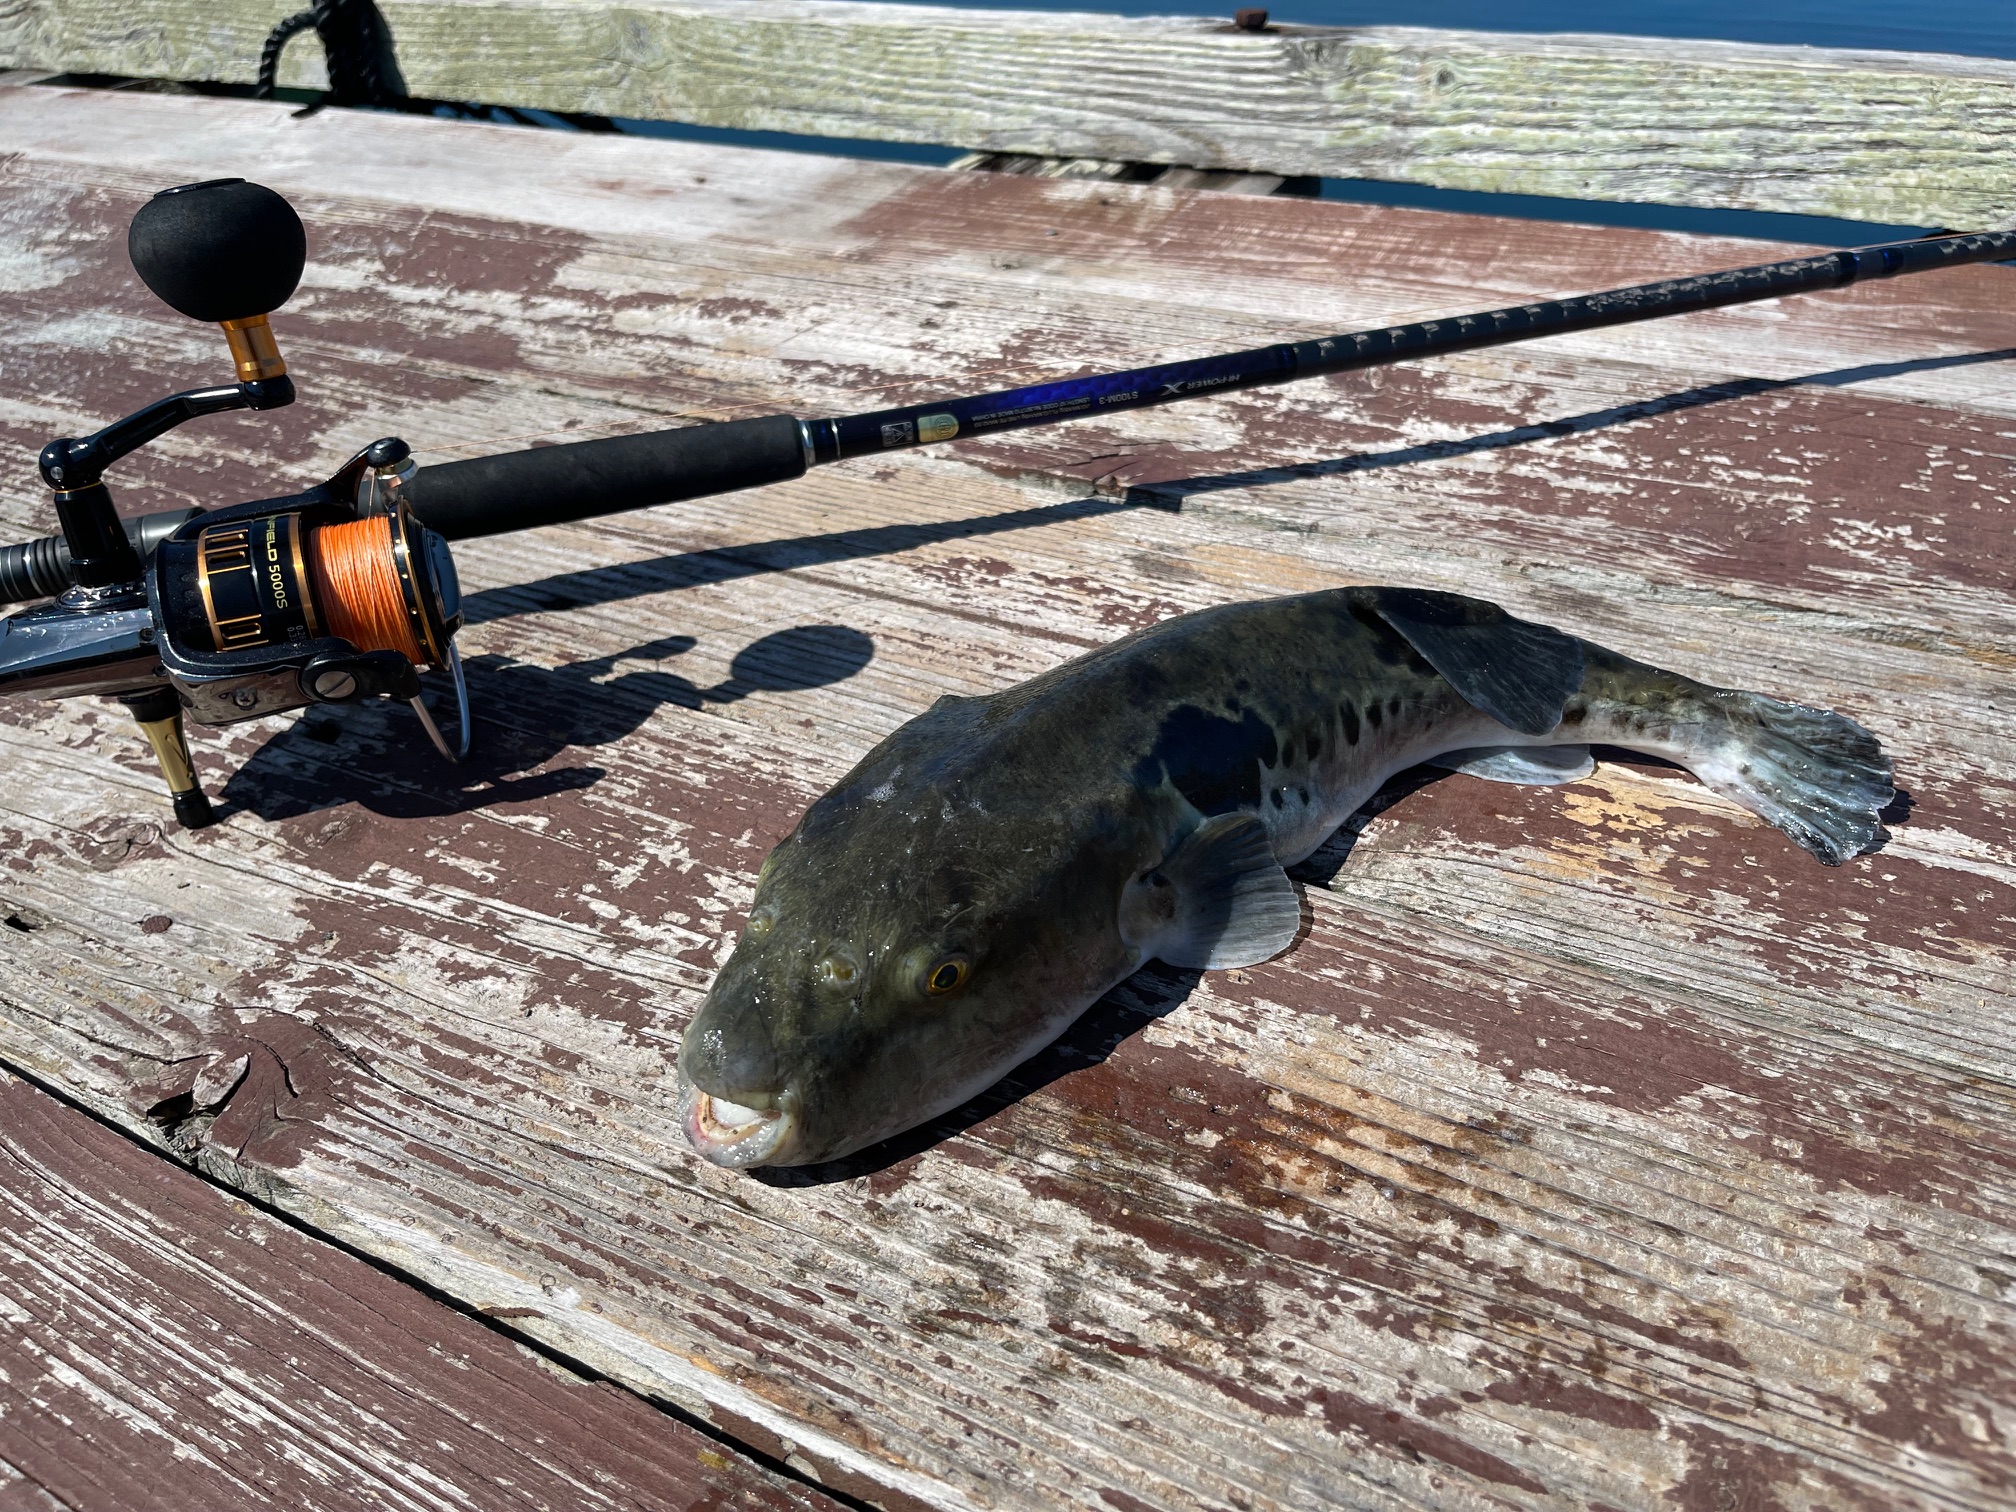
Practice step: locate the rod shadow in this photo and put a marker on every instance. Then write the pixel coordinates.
(1172, 494)
(693, 569)
(697, 569)
(376, 756)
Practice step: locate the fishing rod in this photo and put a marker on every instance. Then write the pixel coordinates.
(348, 590)
(549, 485)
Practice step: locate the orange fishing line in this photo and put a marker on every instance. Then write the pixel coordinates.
(357, 587)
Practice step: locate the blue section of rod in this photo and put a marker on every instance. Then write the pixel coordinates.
(1065, 399)
(1105, 393)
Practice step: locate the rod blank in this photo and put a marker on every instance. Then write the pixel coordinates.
(1141, 388)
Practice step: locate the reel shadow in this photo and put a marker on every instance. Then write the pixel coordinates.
(374, 755)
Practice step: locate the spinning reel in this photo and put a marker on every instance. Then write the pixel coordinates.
(328, 596)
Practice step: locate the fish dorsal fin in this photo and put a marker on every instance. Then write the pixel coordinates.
(1531, 766)
(1219, 899)
(1520, 673)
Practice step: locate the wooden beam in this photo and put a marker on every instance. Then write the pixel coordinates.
(1907, 138)
(165, 1345)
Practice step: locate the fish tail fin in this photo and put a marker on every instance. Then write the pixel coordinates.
(1818, 776)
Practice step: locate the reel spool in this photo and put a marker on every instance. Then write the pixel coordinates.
(273, 605)
(282, 593)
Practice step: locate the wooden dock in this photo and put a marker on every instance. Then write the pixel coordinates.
(1595, 1148)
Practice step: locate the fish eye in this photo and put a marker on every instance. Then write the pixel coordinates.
(947, 974)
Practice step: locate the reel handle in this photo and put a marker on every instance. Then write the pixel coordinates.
(217, 251)
(224, 251)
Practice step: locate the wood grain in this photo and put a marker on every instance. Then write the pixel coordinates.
(164, 1345)
(1915, 139)
(1594, 1148)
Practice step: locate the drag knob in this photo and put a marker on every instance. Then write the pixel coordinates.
(225, 250)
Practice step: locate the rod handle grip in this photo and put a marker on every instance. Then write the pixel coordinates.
(578, 480)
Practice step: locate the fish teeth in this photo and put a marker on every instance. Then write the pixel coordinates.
(732, 1115)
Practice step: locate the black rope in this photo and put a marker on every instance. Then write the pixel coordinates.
(269, 55)
(355, 42)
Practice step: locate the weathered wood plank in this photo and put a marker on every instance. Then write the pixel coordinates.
(1593, 1149)
(163, 1345)
(1907, 138)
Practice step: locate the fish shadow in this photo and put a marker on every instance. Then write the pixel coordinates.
(375, 754)
(1156, 991)
(1897, 812)
(1320, 867)
(1153, 992)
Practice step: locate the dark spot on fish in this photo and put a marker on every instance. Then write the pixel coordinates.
(1212, 761)
(1303, 794)
(1288, 752)
(1243, 685)
(1393, 705)
(1315, 746)
(1374, 716)
(1574, 714)
(1277, 797)
(1349, 717)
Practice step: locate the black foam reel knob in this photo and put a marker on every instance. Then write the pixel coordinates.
(222, 250)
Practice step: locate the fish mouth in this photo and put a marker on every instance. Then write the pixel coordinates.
(728, 1133)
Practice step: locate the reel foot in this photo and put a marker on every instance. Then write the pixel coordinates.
(192, 809)
(159, 713)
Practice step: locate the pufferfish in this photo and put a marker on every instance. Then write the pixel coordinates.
(997, 864)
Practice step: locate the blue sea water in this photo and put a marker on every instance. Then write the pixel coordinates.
(1983, 28)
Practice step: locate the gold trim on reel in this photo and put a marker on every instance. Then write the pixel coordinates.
(254, 349)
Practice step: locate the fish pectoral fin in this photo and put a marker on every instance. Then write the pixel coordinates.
(1520, 673)
(1530, 766)
(1219, 899)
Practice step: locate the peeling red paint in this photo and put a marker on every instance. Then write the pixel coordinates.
(1584, 1117)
